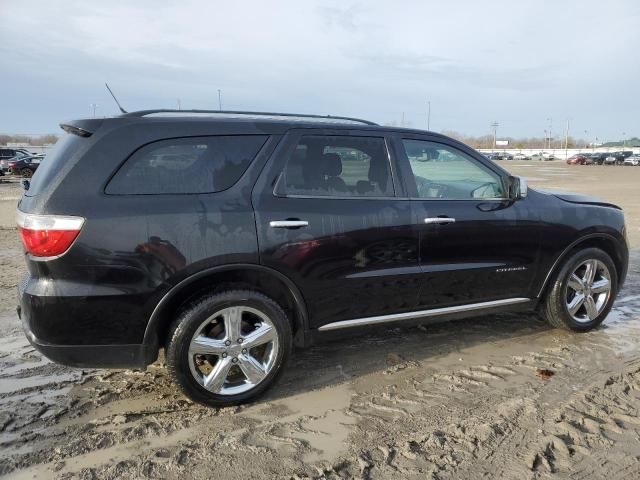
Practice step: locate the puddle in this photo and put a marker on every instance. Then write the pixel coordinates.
(12, 384)
(109, 455)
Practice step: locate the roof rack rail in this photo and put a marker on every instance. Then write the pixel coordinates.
(142, 113)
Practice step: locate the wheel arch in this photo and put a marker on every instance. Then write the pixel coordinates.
(263, 279)
(604, 241)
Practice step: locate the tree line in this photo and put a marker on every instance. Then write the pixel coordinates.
(34, 140)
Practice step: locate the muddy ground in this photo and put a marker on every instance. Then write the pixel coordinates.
(489, 397)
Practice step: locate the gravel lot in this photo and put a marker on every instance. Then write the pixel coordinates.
(495, 396)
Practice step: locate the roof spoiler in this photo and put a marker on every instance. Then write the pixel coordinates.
(82, 128)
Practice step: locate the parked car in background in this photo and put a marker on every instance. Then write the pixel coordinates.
(294, 231)
(7, 152)
(521, 156)
(25, 166)
(598, 157)
(578, 159)
(616, 158)
(548, 156)
(633, 160)
(500, 156)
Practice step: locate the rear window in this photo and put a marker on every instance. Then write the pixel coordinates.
(186, 165)
(51, 164)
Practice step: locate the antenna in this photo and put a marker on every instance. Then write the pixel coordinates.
(114, 97)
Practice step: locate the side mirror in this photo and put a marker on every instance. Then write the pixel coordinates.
(517, 188)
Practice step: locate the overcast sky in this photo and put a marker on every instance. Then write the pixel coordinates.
(516, 62)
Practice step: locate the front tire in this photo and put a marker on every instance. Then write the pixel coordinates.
(228, 348)
(582, 291)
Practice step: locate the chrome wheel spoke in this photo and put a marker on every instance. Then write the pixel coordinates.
(590, 307)
(214, 381)
(202, 345)
(575, 283)
(576, 303)
(251, 368)
(233, 323)
(590, 272)
(601, 286)
(263, 334)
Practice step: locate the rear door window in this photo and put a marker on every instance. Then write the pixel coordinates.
(186, 165)
(338, 166)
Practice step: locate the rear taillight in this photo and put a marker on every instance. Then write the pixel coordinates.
(47, 235)
(12, 164)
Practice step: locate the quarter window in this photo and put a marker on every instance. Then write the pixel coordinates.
(186, 165)
(443, 172)
(338, 166)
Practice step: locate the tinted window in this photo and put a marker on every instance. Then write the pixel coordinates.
(338, 166)
(187, 165)
(444, 172)
(63, 150)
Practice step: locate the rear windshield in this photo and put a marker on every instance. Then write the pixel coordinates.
(186, 165)
(54, 160)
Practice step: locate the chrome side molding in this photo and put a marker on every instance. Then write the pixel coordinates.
(394, 317)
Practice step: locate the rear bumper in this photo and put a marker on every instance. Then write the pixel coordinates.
(89, 355)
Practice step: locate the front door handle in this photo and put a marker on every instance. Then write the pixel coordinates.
(439, 220)
(288, 223)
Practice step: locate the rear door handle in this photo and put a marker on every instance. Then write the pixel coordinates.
(439, 220)
(288, 223)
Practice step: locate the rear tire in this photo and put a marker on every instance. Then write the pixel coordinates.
(227, 348)
(582, 292)
(27, 173)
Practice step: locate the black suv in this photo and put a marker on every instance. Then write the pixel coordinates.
(227, 238)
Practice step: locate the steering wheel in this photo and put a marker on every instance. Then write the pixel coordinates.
(426, 188)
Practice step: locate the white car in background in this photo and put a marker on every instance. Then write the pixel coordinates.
(548, 156)
(520, 156)
(633, 160)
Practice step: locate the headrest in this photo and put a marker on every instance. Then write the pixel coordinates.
(331, 164)
(379, 174)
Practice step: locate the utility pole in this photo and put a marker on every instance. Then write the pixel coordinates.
(429, 115)
(495, 126)
(93, 107)
(550, 127)
(179, 105)
(219, 100)
(402, 123)
(566, 141)
(624, 140)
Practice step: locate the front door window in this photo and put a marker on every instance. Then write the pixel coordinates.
(443, 172)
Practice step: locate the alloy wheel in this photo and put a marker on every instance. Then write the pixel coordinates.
(588, 290)
(233, 350)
